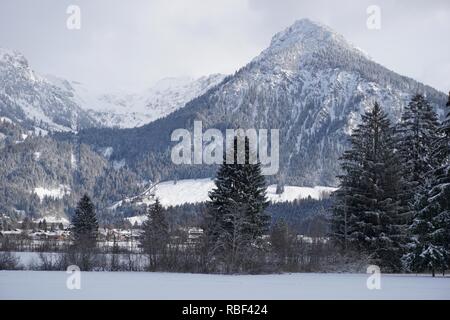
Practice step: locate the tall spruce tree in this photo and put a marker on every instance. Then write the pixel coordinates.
(367, 214)
(85, 225)
(417, 133)
(155, 236)
(236, 215)
(430, 245)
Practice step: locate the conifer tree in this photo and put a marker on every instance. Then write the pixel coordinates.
(236, 215)
(85, 225)
(155, 236)
(367, 215)
(417, 133)
(430, 245)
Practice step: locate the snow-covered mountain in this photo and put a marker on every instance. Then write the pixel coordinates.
(51, 103)
(44, 178)
(128, 110)
(33, 101)
(310, 83)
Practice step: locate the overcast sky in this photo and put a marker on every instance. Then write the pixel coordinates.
(130, 44)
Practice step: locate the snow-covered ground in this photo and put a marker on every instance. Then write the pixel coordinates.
(172, 193)
(5, 119)
(183, 191)
(55, 193)
(53, 219)
(141, 285)
(196, 190)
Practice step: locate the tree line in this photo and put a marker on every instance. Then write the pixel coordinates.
(393, 203)
(392, 206)
(237, 234)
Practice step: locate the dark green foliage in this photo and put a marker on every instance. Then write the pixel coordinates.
(417, 134)
(155, 235)
(84, 224)
(368, 213)
(237, 216)
(430, 229)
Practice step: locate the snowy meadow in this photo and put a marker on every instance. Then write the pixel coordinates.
(131, 285)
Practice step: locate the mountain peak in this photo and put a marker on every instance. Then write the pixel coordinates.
(13, 57)
(14, 64)
(304, 31)
(303, 43)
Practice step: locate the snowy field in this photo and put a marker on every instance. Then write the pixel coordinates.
(187, 191)
(140, 285)
(196, 191)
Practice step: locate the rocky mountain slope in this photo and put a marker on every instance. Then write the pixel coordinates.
(43, 177)
(33, 101)
(310, 83)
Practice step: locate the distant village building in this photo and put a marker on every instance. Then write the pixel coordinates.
(194, 234)
(310, 240)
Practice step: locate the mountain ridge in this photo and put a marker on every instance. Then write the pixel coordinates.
(310, 83)
(47, 103)
(134, 109)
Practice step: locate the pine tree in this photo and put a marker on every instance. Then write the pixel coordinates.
(430, 246)
(236, 216)
(367, 214)
(85, 225)
(155, 236)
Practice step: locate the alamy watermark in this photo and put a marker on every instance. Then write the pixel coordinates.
(208, 147)
(374, 280)
(73, 21)
(374, 17)
(73, 282)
